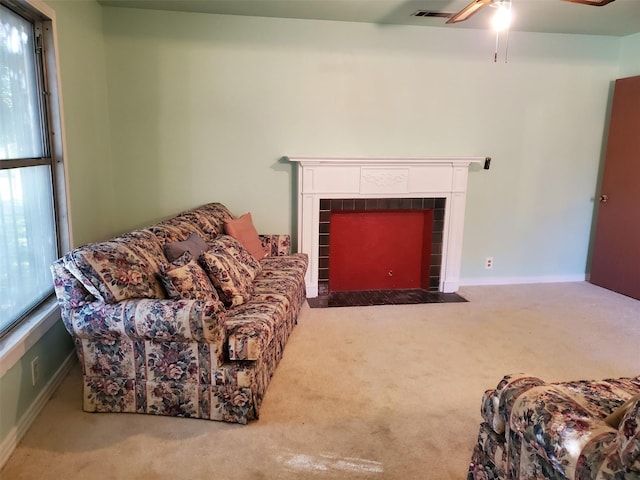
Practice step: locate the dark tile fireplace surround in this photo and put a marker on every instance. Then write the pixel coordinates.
(379, 297)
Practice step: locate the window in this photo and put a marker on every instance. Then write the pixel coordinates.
(30, 203)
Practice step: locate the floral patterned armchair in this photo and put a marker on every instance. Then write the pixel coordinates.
(573, 430)
(201, 352)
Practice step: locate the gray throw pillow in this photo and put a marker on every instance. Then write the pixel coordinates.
(195, 245)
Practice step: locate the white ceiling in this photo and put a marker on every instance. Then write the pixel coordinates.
(620, 18)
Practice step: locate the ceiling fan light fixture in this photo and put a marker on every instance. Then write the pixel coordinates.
(502, 18)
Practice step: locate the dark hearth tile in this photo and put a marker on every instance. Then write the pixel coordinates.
(383, 297)
(318, 302)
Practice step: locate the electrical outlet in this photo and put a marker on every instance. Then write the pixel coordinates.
(488, 263)
(35, 371)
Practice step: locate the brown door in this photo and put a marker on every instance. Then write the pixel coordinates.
(616, 251)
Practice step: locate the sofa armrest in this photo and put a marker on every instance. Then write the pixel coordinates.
(151, 319)
(628, 437)
(496, 404)
(561, 430)
(276, 245)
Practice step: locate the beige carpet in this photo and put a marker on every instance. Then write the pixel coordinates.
(387, 392)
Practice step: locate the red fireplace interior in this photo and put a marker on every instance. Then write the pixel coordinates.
(380, 250)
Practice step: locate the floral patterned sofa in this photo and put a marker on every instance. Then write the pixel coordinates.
(573, 430)
(199, 336)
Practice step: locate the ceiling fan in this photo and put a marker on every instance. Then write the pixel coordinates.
(476, 5)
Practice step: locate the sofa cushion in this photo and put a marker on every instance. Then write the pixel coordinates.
(276, 245)
(266, 317)
(169, 233)
(195, 245)
(209, 219)
(252, 326)
(122, 268)
(242, 229)
(295, 264)
(185, 278)
(231, 269)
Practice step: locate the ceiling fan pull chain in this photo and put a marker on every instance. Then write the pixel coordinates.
(506, 48)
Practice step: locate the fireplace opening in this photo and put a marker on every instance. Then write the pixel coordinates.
(380, 244)
(380, 250)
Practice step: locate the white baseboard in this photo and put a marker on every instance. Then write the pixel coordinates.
(312, 290)
(12, 439)
(521, 280)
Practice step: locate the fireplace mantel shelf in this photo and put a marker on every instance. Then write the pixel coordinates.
(374, 177)
(399, 161)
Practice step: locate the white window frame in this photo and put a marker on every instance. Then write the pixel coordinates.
(26, 334)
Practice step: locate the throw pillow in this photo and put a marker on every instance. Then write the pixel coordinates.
(195, 245)
(242, 229)
(185, 279)
(119, 269)
(231, 269)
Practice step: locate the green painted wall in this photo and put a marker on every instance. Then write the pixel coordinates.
(630, 56)
(17, 393)
(86, 117)
(203, 106)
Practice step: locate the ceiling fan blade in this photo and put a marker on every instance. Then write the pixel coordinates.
(469, 10)
(594, 3)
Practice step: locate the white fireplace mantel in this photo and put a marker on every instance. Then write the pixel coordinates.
(330, 177)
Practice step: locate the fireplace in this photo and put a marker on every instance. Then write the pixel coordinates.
(394, 182)
(380, 244)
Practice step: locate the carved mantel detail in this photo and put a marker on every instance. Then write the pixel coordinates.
(385, 178)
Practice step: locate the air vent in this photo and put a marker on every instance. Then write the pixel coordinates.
(429, 13)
